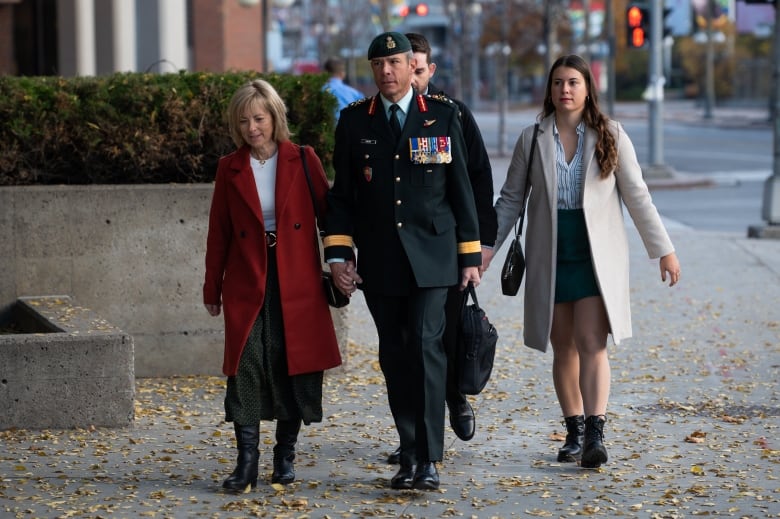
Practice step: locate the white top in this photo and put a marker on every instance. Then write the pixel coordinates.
(265, 181)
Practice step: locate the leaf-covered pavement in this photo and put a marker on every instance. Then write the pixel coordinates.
(692, 427)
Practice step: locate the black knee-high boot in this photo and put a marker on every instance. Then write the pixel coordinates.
(244, 476)
(284, 451)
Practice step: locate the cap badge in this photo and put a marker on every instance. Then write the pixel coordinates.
(390, 43)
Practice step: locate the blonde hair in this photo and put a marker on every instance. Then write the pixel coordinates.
(257, 93)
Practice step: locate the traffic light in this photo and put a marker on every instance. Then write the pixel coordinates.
(638, 25)
(418, 9)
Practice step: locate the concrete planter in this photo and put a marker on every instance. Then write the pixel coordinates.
(133, 253)
(73, 370)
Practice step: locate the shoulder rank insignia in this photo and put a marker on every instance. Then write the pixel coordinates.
(441, 97)
(357, 103)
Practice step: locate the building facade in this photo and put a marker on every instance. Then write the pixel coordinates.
(96, 37)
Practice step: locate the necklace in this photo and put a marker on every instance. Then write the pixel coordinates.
(261, 160)
(258, 159)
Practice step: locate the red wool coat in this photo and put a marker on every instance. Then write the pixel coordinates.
(236, 259)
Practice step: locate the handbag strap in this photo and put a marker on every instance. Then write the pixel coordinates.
(319, 233)
(519, 222)
(470, 291)
(302, 149)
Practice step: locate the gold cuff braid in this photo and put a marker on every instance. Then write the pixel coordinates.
(469, 247)
(337, 240)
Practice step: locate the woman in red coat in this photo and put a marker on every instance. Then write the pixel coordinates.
(263, 265)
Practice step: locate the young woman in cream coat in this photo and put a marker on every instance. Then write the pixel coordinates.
(576, 293)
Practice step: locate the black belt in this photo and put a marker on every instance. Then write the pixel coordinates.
(270, 239)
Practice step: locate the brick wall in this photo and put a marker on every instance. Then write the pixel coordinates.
(227, 35)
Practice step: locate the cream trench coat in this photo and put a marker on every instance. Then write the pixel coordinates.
(603, 201)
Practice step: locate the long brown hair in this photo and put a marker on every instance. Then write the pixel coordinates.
(606, 147)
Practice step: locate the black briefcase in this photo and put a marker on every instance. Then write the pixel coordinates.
(477, 340)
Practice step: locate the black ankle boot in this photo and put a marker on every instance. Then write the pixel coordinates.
(284, 451)
(593, 451)
(244, 476)
(575, 433)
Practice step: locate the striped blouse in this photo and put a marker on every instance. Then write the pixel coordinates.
(569, 175)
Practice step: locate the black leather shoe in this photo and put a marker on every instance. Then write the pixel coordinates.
(426, 477)
(462, 420)
(395, 457)
(404, 478)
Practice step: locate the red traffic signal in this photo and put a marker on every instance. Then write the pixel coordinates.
(418, 9)
(638, 23)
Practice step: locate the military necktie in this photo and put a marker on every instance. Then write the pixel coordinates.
(394, 124)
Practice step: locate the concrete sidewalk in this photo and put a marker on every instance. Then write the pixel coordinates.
(692, 427)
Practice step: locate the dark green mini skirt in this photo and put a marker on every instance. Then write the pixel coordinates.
(574, 278)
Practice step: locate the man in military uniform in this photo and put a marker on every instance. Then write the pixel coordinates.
(462, 418)
(402, 198)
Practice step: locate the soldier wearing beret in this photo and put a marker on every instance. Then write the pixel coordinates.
(402, 226)
(462, 419)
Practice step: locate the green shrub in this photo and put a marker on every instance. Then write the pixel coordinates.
(136, 128)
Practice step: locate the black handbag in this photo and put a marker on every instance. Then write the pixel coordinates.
(335, 297)
(514, 263)
(514, 266)
(476, 346)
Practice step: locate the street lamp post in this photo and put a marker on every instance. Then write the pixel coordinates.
(475, 10)
(770, 209)
(709, 75)
(655, 97)
(503, 71)
(610, 34)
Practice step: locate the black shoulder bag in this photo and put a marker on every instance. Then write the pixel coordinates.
(335, 298)
(514, 264)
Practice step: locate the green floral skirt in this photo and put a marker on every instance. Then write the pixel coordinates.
(574, 277)
(262, 388)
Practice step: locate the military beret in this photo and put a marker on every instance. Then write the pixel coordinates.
(387, 44)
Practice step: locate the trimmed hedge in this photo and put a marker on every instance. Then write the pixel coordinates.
(133, 128)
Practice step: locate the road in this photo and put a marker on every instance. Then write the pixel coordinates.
(734, 151)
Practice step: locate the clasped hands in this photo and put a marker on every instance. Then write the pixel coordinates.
(345, 276)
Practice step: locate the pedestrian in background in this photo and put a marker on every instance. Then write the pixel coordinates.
(343, 93)
(583, 172)
(263, 265)
(462, 419)
(402, 197)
